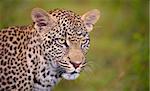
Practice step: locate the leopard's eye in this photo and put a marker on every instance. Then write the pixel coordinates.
(61, 41)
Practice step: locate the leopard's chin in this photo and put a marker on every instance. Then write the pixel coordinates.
(70, 76)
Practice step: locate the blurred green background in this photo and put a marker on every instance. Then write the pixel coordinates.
(119, 52)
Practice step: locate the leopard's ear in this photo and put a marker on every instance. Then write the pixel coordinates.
(90, 18)
(42, 19)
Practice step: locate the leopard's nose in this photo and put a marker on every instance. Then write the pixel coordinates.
(75, 65)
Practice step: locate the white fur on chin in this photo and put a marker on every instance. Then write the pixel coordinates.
(68, 76)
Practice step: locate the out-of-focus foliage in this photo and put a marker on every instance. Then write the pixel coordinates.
(118, 56)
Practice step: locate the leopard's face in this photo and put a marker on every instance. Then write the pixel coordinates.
(65, 38)
(76, 45)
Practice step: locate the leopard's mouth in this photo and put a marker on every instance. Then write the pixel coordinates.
(68, 75)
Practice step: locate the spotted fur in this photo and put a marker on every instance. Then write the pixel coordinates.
(37, 56)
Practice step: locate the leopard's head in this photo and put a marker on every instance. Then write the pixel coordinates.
(66, 38)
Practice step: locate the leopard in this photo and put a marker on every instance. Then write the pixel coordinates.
(53, 47)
